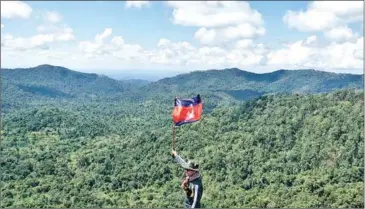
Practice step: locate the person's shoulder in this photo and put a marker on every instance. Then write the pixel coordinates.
(197, 180)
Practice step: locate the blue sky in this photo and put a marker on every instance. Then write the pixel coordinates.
(257, 36)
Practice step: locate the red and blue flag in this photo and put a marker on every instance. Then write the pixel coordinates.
(187, 110)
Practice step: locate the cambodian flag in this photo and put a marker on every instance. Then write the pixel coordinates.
(187, 110)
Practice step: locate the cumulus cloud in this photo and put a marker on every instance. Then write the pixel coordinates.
(219, 21)
(244, 53)
(65, 34)
(301, 54)
(213, 13)
(340, 34)
(48, 33)
(95, 47)
(322, 15)
(116, 47)
(53, 25)
(20, 43)
(61, 33)
(206, 36)
(136, 4)
(311, 40)
(100, 37)
(243, 31)
(52, 17)
(168, 52)
(15, 9)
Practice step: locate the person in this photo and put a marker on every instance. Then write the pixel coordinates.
(192, 184)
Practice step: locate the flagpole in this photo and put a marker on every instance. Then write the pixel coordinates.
(173, 128)
(173, 137)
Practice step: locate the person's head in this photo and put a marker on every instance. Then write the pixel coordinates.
(191, 168)
(189, 172)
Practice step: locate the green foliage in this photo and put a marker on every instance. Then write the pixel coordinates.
(241, 84)
(53, 85)
(273, 151)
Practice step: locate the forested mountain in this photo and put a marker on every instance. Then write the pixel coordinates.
(53, 83)
(242, 84)
(47, 83)
(274, 151)
(83, 140)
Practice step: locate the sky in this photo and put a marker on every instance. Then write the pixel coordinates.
(178, 36)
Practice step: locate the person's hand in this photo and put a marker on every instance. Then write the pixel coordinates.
(184, 184)
(173, 152)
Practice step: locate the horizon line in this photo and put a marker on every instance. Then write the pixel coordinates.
(178, 72)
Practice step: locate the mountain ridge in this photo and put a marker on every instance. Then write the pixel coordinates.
(48, 82)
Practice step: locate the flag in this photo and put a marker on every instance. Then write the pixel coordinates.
(187, 110)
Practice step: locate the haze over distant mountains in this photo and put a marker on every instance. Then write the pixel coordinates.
(148, 75)
(52, 82)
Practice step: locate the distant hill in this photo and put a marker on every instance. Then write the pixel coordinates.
(245, 85)
(53, 83)
(49, 83)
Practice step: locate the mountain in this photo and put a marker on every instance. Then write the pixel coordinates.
(46, 83)
(245, 85)
(73, 139)
(55, 81)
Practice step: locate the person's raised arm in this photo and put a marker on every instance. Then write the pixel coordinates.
(178, 159)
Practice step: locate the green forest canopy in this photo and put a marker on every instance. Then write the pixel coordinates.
(272, 151)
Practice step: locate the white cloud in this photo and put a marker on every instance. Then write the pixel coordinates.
(345, 55)
(220, 21)
(67, 36)
(100, 37)
(334, 56)
(171, 53)
(163, 42)
(136, 4)
(19, 43)
(53, 17)
(321, 15)
(15, 9)
(96, 47)
(340, 34)
(311, 40)
(243, 54)
(295, 54)
(350, 10)
(243, 31)
(2, 25)
(61, 33)
(115, 48)
(206, 36)
(118, 41)
(228, 34)
(213, 13)
(53, 25)
(106, 49)
(243, 44)
(48, 33)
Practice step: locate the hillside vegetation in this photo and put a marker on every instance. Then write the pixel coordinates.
(46, 84)
(295, 151)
